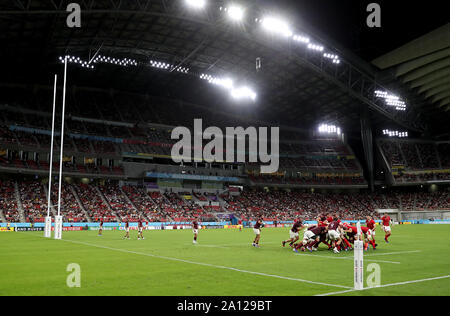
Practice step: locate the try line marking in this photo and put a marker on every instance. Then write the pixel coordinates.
(386, 285)
(204, 264)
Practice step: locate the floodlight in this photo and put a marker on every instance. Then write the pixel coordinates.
(227, 83)
(235, 13)
(391, 100)
(329, 129)
(198, 4)
(243, 93)
(274, 25)
(315, 47)
(299, 38)
(395, 133)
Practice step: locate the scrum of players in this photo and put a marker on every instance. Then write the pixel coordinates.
(329, 230)
(335, 234)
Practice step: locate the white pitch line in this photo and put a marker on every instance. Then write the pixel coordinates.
(344, 258)
(387, 285)
(249, 244)
(210, 246)
(206, 264)
(392, 253)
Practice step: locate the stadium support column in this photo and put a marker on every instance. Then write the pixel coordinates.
(367, 141)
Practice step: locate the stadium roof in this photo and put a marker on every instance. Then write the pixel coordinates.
(424, 66)
(296, 86)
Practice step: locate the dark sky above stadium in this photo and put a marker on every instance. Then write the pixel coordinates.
(344, 21)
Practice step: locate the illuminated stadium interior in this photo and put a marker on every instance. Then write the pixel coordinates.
(138, 70)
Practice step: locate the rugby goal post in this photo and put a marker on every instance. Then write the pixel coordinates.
(48, 219)
(358, 252)
(59, 218)
(58, 226)
(48, 227)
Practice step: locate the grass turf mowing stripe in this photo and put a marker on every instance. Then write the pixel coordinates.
(386, 285)
(205, 264)
(344, 258)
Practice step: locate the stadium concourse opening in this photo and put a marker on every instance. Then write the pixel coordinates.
(104, 147)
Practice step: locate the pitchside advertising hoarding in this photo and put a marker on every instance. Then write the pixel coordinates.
(27, 227)
(41, 229)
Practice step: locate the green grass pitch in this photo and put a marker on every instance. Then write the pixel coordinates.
(223, 263)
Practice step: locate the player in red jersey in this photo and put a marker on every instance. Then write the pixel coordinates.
(127, 229)
(195, 227)
(348, 235)
(344, 238)
(368, 238)
(140, 229)
(257, 231)
(293, 233)
(351, 232)
(329, 218)
(370, 223)
(386, 226)
(240, 225)
(323, 222)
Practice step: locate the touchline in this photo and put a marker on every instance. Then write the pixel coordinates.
(213, 151)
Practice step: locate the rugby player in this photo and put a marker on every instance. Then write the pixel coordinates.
(351, 232)
(140, 229)
(322, 221)
(257, 231)
(370, 223)
(311, 238)
(127, 229)
(347, 236)
(100, 230)
(334, 232)
(386, 226)
(293, 233)
(195, 231)
(329, 218)
(368, 238)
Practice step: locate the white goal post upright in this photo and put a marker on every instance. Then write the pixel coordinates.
(58, 218)
(359, 260)
(48, 219)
